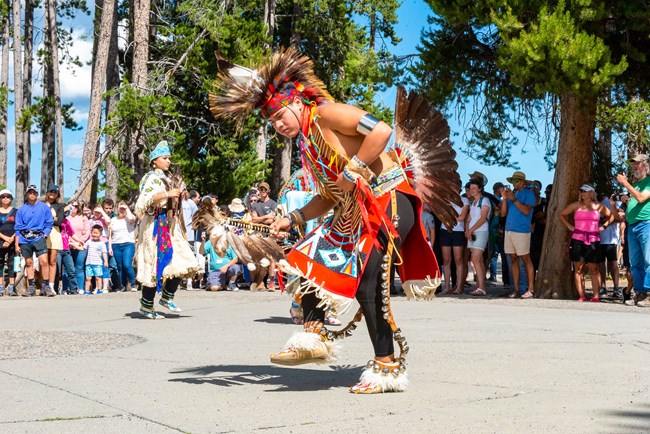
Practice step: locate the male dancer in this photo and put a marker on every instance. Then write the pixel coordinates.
(376, 217)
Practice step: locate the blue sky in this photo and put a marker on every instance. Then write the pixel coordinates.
(75, 84)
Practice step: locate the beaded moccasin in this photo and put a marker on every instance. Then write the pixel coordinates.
(306, 347)
(379, 377)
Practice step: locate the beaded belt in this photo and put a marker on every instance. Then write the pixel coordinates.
(388, 180)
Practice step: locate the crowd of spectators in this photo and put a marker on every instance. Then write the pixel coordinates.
(74, 248)
(79, 249)
(609, 232)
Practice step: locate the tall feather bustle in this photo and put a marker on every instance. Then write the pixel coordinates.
(239, 90)
(423, 133)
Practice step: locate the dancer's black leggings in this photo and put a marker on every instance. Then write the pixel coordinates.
(369, 291)
(169, 289)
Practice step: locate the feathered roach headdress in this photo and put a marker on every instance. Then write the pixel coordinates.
(239, 90)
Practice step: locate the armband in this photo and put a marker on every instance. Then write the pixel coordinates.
(366, 124)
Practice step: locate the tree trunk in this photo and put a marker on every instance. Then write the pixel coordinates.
(140, 75)
(47, 142)
(28, 58)
(602, 162)
(95, 110)
(18, 104)
(573, 168)
(4, 94)
(56, 84)
(112, 82)
(281, 165)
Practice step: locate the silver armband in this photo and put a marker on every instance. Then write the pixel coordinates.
(367, 123)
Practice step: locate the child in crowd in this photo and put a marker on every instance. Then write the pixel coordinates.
(96, 260)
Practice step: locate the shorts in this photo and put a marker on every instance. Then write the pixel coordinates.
(581, 252)
(480, 242)
(94, 270)
(452, 239)
(609, 252)
(516, 243)
(216, 278)
(39, 247)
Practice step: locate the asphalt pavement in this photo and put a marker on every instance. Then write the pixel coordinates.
(482, 365)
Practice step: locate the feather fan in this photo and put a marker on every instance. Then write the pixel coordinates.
(423, 133)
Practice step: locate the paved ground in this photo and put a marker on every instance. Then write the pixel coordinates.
(493, 365)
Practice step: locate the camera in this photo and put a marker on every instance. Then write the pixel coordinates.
(617, 197)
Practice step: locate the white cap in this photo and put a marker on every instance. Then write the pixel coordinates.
(6, 191)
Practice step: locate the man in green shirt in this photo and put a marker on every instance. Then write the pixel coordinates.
(638, 218)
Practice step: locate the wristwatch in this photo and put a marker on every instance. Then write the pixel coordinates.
(515, 200)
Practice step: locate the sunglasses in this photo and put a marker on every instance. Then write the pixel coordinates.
(515, 180)
(264, 189)
(5, 196)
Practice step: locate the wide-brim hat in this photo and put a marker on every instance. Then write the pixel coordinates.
(518, 175)
(237, 205)
(478, 175)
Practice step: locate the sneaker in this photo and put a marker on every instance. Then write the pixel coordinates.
(639, 297)
(81, 291)
(332, 320)
(616, 293)
(581, 299)
(11, 290)
(492, 278)
(603, 292)
(233, 287)
(151, 314)
(87, 293)
(132, 287)
(2, 290)
(101, 291)
(30, 292)
(595, 300)
(169, 304)
(49, 291)
(643, 302)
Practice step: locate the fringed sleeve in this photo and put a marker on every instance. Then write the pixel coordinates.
(150, 186)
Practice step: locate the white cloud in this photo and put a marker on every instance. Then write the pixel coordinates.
(76, 81)
(74, 151)
(80, 116)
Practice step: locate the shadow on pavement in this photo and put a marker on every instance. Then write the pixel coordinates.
(634, 420)
(276, 320)
(284, 379)
(138, 315)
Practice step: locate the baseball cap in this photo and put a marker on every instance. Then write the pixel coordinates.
(640, 158)
(264, 185)
(32, 187)
(53, 187)
(5, 191)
